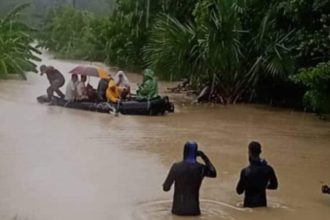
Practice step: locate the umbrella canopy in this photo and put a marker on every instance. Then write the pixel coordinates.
(90, 71)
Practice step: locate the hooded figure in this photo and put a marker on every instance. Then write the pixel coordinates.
(113, 92)
(187, 176)
(122, 80)
(149, 87)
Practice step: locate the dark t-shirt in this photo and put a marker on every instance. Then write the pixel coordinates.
(54, 74)
(101, 89)
(187, 178)
(254, 181)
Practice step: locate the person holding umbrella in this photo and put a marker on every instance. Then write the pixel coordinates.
(55, 78)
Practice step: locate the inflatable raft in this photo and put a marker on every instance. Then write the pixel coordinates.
(157, 106)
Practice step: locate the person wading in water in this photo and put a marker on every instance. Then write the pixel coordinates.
(326, 189)
(56, 80)
(187, 176)
(256, 178)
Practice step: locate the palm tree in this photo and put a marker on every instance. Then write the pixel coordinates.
(218, 50)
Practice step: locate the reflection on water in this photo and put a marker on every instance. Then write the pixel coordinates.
(64, 164)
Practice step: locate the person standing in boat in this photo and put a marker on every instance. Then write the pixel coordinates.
(71, 89)
(187, 177)
(56, 80)
(256, 178)
(149, 87)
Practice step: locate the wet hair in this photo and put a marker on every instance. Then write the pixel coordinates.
(43, 68)
(255, 148)
(190, 150)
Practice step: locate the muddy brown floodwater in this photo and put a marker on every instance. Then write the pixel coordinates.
(63, 164)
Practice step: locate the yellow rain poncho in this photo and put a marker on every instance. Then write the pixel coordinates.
(113, 92)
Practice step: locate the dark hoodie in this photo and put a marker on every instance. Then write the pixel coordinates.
(187, 176)
(254, 181)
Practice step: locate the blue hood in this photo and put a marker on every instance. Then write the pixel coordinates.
(190, 152)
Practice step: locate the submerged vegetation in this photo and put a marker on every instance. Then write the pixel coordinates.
(243, 51)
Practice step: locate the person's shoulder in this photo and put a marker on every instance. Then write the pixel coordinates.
(243, 170)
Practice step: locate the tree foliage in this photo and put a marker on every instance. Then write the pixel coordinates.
(16, 52)
(317, 81)
(243, 50)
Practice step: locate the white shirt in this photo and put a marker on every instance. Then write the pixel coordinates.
(81, 90)
(71, 91)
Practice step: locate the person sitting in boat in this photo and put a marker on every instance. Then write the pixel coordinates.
(326, 189)
(102, 88)
(123, 83)
(81, 88)
(71, 88)
(149, 87)
(113, 91)
(55, 78)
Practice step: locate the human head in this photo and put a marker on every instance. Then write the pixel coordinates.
(43, 69)
(74, 77)
(254, 149)
(190, 151)
(120, 76)
(83, 78)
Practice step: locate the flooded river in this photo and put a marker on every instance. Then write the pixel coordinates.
(64, 164)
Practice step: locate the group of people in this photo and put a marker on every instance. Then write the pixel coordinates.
(110, 89)
(188, 174)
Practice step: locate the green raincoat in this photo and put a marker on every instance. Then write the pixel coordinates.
(149, 88)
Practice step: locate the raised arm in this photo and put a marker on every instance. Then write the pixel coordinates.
(210, 170)
(169, 179)
(273, 183)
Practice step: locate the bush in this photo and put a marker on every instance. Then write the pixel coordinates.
(16, 52)
(317, 81)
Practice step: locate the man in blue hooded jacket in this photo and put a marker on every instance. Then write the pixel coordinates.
(256, 178)
(187, 176)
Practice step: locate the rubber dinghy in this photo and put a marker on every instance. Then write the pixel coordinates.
(157, 106)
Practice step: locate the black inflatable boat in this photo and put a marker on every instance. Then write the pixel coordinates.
(157, 106)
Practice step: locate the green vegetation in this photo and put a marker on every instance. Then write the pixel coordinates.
(245, 51)
(16, 52)
(317, 81)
